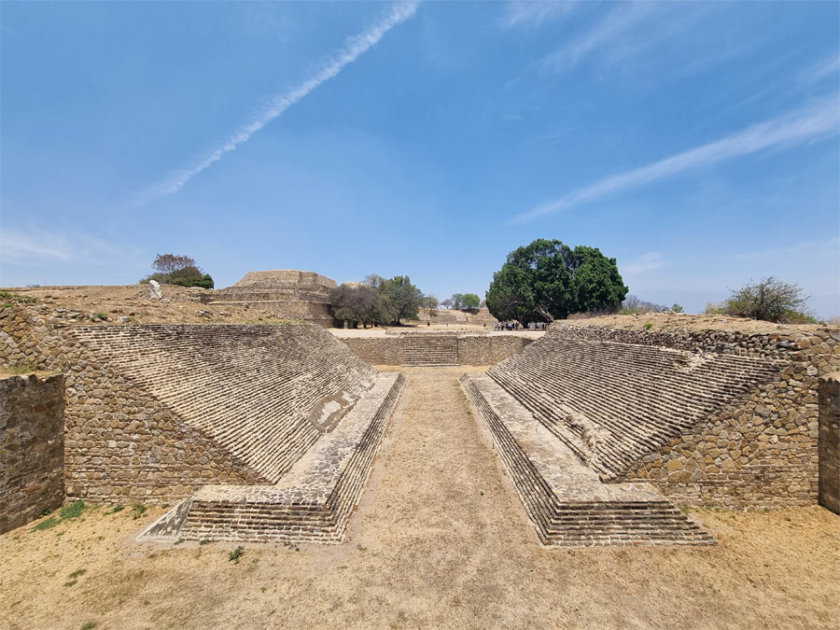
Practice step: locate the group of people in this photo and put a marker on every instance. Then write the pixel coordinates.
(517, 325)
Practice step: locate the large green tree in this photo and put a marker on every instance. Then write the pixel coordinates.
(356, 302)
(548, 280)
(400, 296)
(470, 301)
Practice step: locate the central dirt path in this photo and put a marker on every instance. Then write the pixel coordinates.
(438, 510)
(439, 540)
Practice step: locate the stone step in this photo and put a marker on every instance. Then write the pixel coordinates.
(635, 398)
(566, 501)
(313, 501)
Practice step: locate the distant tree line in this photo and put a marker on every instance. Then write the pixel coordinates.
(379, 300)
(633, 305)
(179, 270)
(462, 301)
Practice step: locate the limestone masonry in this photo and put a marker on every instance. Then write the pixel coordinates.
(424, 349)
(284, 293)
(269, 432)
(829, 442)
(31, 447)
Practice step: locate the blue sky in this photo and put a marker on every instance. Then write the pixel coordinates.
(697, 143)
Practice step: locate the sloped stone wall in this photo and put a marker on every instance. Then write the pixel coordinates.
(759, 449)
(133, 409)
(31, 447)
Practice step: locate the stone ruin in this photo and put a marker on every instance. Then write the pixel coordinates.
(283, 293)
(268, 433)
(600, 429)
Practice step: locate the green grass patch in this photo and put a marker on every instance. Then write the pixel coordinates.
(138, 510)
(47, 524)
(74, 510)
(10, 297)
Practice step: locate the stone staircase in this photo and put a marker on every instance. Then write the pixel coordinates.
(566, 501)
(311, 503)
(614, 403)
(250, 393)
(430, 350)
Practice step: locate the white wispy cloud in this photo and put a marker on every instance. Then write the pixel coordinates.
(650, 261)
(40, 246)
(353, 48)
(827, 68)
(521, 13)
(811, 250)
(18, 247)
(814, 122)
(604, 33)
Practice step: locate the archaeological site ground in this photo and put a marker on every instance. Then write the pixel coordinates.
(232, 459)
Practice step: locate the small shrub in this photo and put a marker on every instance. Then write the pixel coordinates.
(113, 510)
(77, 573)
(88, 625)
(98, 316)
(9, 298)
(676, 308)
(769, 300)
(648, 325)
(138, 510)
(236, 554)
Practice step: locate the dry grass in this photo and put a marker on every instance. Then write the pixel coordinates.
(439, 540)
(682, 321)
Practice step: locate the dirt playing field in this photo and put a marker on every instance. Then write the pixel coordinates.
(439, 540)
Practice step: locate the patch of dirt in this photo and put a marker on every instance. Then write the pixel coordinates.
(440, 539)
(132, 305)
(683, 321)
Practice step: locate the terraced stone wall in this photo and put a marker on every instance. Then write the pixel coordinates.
(31, 447)
(829, 443)
(155, 412)
(284, 293)
(378, 351)
(472, 349)
(738, 448)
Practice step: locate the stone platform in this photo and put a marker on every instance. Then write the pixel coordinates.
(311, 503)
(565, 499)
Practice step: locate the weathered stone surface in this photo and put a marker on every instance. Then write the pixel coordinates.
(284, 293)
(829, 443)
(424, 349)
(31, 447)
(720, 418)
(567, 502)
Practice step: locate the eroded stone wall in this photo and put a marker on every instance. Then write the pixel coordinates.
(829, 443)
(284, 293)
(761, 449)
(132, 433)
(472, 349)
(31, 447)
